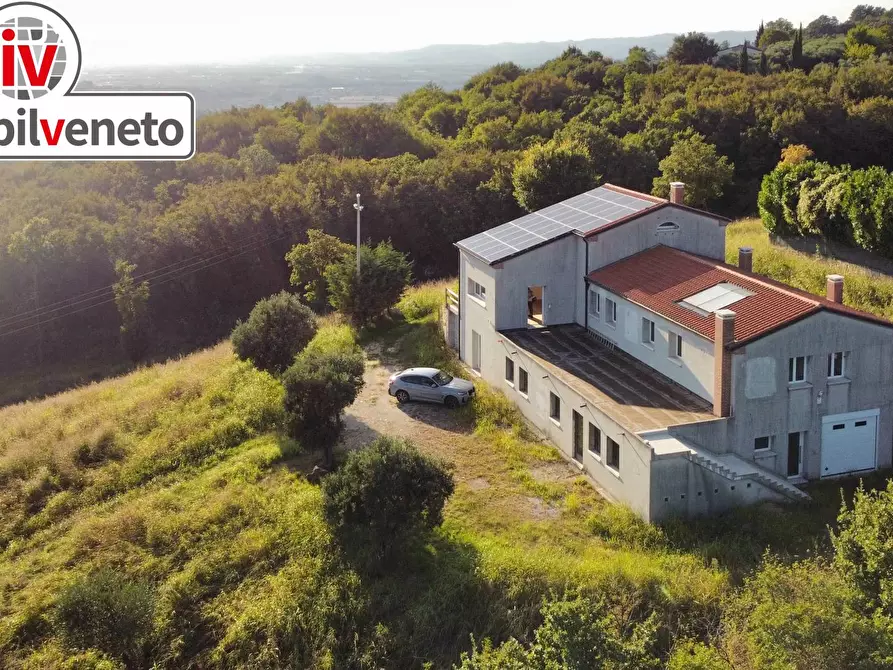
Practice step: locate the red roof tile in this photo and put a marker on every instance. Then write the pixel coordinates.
(660, 277)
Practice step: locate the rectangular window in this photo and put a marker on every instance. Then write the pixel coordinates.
(554, 406)
(611, 311)
(835, 365)
(509, 370)
(595, 304)
(522, 381)
(647, 331)
(476, 290)
(675, 341)
(595, 440)
(762, 443)
(613, 450)
(797, 369)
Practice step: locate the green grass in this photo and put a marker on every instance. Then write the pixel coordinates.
(864, 289)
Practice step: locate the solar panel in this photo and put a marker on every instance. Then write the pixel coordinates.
(584, 213)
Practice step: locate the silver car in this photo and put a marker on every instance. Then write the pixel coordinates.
(430, 385)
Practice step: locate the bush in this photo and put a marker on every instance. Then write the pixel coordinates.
(278, 328)
(820, 208)
(385, 496)
(384, 275)
(576, 634)
(107, 611)
(620, 525)
(308, 264)
(862, 188)
(318, 387)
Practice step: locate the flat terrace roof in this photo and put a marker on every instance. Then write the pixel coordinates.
(633, 394)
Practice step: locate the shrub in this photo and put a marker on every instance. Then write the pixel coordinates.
(619, 524)
(278, 328)
(318, 387)
(820, 207)
(384, 275)
(858, 202)
(308, 264)
(107, 611)
(576, 634)
(385, 496)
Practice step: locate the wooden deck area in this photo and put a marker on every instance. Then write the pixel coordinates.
(632, 393)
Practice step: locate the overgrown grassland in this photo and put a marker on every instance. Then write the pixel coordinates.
(179, 477)
(864, 289)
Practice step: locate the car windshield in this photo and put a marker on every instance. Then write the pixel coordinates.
(442, 379)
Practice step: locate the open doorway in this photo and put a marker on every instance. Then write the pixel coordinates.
(535, 307)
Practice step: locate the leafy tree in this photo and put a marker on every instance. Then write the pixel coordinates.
(319, 386)
(551, 172)
(386, 496)
(576, 634)
(863, 187)
(278, 328)
(132, 301)
(641, 60)
(866, 13)
(364, 132)
(257, 161)
(444, 119)
(823, 26)
(107, 611)
(772, 36)
(384, 275)
(308, 262)
(781, 24)
(696, 163)
(282, 140)
(692, 49)
(820, 207)
(796, 153)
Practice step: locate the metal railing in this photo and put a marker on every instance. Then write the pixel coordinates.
(451, 299)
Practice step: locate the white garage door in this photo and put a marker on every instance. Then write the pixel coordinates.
(849, 442)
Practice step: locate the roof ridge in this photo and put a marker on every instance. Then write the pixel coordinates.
(752, 276)
(634, 194)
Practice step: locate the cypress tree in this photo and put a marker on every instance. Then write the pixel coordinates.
(760, 32)
(744, 60)
(797, 48)
(764, 65)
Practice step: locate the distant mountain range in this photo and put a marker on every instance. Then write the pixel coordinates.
(526, 54)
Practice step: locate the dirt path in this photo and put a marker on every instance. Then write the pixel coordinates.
(480, 469)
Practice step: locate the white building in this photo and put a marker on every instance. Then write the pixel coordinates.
(680, 384)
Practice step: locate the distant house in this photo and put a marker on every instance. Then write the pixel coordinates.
(752, 52)
(680, 384)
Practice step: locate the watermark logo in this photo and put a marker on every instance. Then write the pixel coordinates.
(43, 118)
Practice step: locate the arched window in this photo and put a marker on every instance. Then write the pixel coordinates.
(667, 227)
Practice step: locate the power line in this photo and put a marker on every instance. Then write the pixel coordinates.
(252, 247)
(99, 293)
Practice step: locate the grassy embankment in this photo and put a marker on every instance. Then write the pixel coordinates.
(179, 477)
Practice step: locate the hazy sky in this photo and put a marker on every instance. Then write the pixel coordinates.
(177, 31)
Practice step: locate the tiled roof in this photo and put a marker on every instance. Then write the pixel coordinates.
(660, 277)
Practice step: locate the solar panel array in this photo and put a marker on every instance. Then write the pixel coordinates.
(583, 213)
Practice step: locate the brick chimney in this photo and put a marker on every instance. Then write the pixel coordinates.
(835, 288)
(677, 192)
(724, 334)
(745, 259)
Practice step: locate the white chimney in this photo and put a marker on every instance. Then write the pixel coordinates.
(677, 192)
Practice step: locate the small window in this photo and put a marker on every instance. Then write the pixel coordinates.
(860, 424)
(554, 406)
(509, 370)
(611, 311)
(675, 346)
(522, 381)
(762, 443)
(595, 304)
(797, 369)
(613, 449)
(476, 290)
(835, 365)
(838, 426)
(647, 331)
(595, 440)
(667, 226)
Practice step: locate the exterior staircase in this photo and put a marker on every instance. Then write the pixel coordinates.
(734, 469)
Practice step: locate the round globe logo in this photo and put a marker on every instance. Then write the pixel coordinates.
(39, 52)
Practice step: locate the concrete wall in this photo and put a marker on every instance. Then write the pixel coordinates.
(695, 370)
(552, 266)
(763, 403)
(697, 234)
(631, 483)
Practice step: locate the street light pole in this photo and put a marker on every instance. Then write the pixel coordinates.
(357, 206)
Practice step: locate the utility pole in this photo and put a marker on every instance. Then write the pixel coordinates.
(357, 206)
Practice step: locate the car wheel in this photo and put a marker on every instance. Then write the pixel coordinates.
(451, 401)
(402, 396)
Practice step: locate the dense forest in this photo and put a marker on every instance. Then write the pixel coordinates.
(201, 241)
